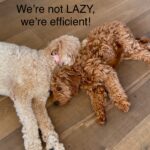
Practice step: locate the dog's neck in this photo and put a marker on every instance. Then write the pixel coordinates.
(47, 59)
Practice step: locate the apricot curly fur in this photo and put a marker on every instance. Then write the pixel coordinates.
(94, 68)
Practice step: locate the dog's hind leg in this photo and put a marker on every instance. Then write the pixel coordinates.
(135, 49)
(143, 54)
(29, 123)
(97, 96)
(48, 133)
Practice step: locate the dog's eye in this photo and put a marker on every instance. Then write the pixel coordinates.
(59, 88)
(54, 52)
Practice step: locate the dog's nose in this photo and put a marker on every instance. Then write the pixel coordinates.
(50, 92)
(56, 103)
(52, 149)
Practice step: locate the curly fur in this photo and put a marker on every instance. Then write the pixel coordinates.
(25, 77)
(101, 52)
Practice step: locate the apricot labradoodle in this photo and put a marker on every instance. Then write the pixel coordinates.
(25, 76)
(94, 68)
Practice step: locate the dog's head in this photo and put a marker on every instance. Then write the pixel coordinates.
(64, 84)
(64, 49)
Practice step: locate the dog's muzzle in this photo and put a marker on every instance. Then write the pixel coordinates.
(56, 103)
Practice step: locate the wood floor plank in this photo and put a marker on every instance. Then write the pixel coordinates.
(140, 25)
(15, 141)
(2, 98)
(10, 19)
(138, 138)
(27, 38)
(8, 119)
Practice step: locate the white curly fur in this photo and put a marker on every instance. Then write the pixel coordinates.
(25, 77)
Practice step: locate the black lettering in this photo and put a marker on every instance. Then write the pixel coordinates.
(90, 8)
(25, 22)
(82, 9)
(76, 8)
(23, 9)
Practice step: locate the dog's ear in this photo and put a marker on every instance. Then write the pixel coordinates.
(60, 44)
(75, 83)
(55, 50)
(70, 78)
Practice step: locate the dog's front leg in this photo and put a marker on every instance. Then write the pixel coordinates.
(108, 76)
(48, 133)
(115, 90)
(29, 123)
(97, 96)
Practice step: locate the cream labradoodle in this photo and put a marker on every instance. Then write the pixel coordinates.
(25, 75)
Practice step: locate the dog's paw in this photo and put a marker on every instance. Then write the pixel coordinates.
(56, 147)
(101, 121)
(53, 142)
(123, 105)
(101, 118)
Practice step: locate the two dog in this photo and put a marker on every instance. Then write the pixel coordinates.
(94, 68)
(25, 77)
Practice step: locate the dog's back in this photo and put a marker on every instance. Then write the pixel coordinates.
(13, 59)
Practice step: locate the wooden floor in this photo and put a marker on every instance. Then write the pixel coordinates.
(75, 122)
